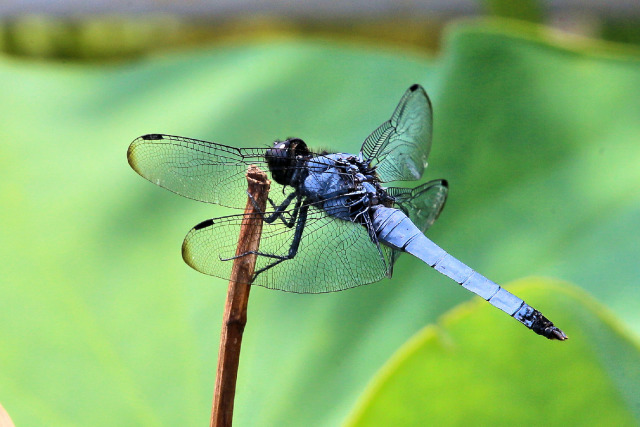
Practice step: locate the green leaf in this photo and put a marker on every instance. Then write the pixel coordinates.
(101, 323)
(471, 369)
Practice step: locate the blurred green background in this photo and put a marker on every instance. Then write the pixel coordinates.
(536, 128)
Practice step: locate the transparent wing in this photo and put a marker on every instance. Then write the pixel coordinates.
(333, 254)
(422, 204)
(400, 146)
(200, 170)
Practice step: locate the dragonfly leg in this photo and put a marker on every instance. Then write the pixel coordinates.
(293, 249)
(279, 211)
(295, 244)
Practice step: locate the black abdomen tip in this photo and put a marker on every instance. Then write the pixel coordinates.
(545, 327)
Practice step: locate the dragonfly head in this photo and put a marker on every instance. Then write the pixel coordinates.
(283, 158)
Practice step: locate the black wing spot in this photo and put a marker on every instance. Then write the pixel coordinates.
(414, 87)
(445, 183)
(152, 137)
(204, 224)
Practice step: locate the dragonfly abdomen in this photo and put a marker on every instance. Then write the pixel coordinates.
(393, 228)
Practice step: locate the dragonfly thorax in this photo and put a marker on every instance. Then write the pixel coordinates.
(342, 186)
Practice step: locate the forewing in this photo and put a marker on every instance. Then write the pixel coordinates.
(333, 254)
(200, 170)
(400, 146)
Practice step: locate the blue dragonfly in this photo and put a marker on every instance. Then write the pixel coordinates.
(331, 224)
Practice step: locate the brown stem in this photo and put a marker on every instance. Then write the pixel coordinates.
(235, 310)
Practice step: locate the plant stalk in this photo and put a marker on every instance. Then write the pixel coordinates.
(235, 310)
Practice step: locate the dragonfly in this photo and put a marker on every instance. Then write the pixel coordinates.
(331, 223)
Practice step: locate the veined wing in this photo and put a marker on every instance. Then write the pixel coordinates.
(422, 204)
(333, 254)
(200, 170)
(400, 146)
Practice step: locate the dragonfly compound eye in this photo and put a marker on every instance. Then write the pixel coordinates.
(281, 160)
